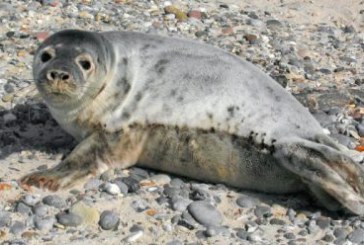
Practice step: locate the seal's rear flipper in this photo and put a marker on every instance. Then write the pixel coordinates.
(326, 169)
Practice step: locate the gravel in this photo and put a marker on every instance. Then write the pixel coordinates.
(317, 59)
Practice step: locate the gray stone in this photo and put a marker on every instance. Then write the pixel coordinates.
(340, 233)
(23, 209)
(136, 228)
(205, 213)
(92, 184)
(357, 236)
(44, 223)
(109, 220)
(69, 219)
(55, 201)
(242, 234)
(177, 183)
(174, 242)
(247, 202)
(323, 222)
(30, 200)
(289, 236)
(262, 211)
(122, 186)
(179, 203)
(41, 210)
(5, 219)
(276, 221)
(17, 227)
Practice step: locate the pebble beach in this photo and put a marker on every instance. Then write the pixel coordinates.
(314, 49)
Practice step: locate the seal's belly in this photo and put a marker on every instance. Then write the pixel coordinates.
(216, 157)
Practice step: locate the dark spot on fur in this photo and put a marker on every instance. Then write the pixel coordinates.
(212, 130)
(138, 96)
(160, 65)
(116, 94)
(180, 98)
(297, 126)
(127, 88)
(277, 98)
(125, 61)
(270, 89)
(230, 110)
(209, 115)
(125, 115)
(173, 93)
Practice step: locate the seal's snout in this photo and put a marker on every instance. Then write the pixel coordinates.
(58, 75)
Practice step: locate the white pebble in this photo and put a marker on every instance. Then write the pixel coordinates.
(112, 189)
(134, 236)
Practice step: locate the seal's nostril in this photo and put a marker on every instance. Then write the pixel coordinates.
(65, 77)
(53, 75)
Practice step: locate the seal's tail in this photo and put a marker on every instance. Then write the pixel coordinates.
(326, 169)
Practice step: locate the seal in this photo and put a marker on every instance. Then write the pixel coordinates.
(186, 108)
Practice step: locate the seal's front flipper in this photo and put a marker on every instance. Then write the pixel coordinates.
(93, 155)
(82, 162)
(326, 170)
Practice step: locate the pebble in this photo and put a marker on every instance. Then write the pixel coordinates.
(205, 213)
(89, 215)
(23, 209)
(44, 223)
(112, 189)
(247, 202)
(17, 227)
(134, 236)
(262, 211)
(242, 234)
(160, 179)
(69, 219)
(179, 203)
(357, 236)
(55, 201)
(5, 219)
(109, 220)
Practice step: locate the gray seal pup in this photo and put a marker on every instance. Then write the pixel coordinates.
(185, 108)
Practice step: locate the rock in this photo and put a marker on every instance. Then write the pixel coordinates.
(17, 227)
(247, 201)
(195, 14)
(289, 236)
(69, 219)
(216, 230)
(174, 242)
(55, 201)
(323, 222)
(276, 221)
(89, 215)
(340, 232)
(112, 189)
(93, 184)
(160, 179)
(179, 203)
(30, 200)
(122, 186)
(205, 213)
(5, 219)
(357, 236)
(109, 220)
(23, 209)
(242, 234)
(133, 184)
(136, 228)
(262, 211)
(44, 223)
(273, 24)
(133, 236)
(180, 15)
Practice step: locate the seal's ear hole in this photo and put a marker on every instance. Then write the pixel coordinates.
(45, 56)
(85, 64)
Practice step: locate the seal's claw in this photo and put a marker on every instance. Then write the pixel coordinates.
(326, 170)
(42, 180)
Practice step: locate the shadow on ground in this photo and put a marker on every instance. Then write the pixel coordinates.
(31, 127)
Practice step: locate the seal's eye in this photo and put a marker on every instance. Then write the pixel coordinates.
(45, 57)
(85, 64)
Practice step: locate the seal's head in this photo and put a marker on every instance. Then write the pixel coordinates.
(70, 66)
